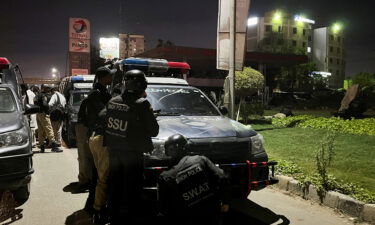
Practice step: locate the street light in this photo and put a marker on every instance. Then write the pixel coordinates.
(55, 73)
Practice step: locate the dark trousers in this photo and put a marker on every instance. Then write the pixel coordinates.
(125, 186)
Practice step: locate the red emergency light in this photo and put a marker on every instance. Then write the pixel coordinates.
(4, 63)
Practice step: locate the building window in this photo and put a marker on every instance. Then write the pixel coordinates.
(339, 39)
(280, 41)
(331, 37)
(337, 72)
(303, 44)
(268, 28)
(294, 43)
(330, 49)
(330, 60)
(308, 49)
(338, 50)
(304, 32)
(338, 61)
(309, 38)
(280, 29)
(294, 30)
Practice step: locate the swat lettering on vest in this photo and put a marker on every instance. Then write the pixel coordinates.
(117, 124)
(196, 191)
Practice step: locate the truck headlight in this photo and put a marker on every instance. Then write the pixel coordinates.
(14, 138)
(257, 144)
(159, 150)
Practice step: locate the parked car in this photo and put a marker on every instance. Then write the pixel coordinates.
(186, 110)
(16, 165)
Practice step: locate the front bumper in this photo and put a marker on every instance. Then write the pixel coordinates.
(15, 170)
(244, 177)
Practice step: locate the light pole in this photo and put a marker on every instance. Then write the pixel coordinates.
(55, 73)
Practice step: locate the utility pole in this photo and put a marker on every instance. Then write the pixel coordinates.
(232, 55)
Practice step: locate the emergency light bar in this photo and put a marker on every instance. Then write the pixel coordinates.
(77, 78)
(4, 63)
(153, 65)
(82, 78)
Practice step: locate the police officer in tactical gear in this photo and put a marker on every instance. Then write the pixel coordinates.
(130, 124)
(194, 191)
(43, 120)
(96, 102)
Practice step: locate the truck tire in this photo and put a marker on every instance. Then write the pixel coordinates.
(21, 195)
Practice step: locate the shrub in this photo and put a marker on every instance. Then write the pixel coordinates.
(291, 121)
(353, 126)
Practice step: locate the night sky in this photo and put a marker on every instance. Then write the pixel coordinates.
(34, 33)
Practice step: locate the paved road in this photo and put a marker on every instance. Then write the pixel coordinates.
(49, 205)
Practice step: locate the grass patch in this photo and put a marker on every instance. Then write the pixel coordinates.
(354, 159)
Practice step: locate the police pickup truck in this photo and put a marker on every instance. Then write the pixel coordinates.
(75, 89)
(186, 110)
(16, 153)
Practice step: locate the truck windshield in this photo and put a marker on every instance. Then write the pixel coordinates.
(180, 101)
(77, 98)
(7, 103)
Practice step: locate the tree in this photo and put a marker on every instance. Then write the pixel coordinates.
(162, 43)
(248, 82)
(274, 42)
(364, 79)
(297, 77)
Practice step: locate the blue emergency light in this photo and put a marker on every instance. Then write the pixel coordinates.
(76, 78)
(153, 65)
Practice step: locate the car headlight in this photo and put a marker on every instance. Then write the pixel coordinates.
(257, 144)
(14, 138)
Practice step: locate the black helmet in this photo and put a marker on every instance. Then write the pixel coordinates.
(175, 146)
(135, 81)
(46, 87)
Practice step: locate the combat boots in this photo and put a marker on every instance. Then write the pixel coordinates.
(42, 148)
(55, 147)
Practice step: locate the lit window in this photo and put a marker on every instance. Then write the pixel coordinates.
(308, 49)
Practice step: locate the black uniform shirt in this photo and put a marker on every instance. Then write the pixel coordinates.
(96, 102)
(130, 124)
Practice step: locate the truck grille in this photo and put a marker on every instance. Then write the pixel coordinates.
(221, 152)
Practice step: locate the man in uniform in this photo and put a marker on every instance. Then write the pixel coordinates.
(130, 124)
(85, 160)
(194, 191)
(96, 102)
(57, 103)
(44, 122)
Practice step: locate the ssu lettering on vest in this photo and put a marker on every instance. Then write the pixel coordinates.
(117, 119)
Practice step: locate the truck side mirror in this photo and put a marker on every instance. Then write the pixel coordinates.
(223, 110)
(31, 109)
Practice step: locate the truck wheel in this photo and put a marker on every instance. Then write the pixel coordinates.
(21, 195)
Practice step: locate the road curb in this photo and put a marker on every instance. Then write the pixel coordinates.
(344, 203)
